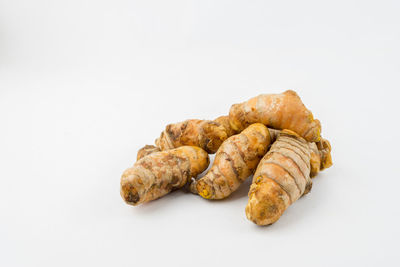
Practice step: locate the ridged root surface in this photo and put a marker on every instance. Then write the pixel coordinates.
(206, 134)
(320, 156)
(146, 150)
(159, 173)
(236, 160)
(282, 177)
(279, 111)
(224, 121)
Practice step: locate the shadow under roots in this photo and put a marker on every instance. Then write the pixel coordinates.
(165, 202)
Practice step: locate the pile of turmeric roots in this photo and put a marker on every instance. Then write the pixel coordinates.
(273, 137)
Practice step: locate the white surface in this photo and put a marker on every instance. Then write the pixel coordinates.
(85, 84)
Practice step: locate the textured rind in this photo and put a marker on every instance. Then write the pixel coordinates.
(279, 111)
(224, 121)
(320, 156)
(268, 202)
(146, 150)
(324, 150)
(280, 179)
(159, 173)
(236, 160)
(206, 134)
(315, 160)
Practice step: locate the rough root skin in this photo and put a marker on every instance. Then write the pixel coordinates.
(224, 121)
(146, 150)
(159, 173)
(236, 160)
(324, 149)
(282, 177)
(320, 156)
(206, 134)
(279, 111)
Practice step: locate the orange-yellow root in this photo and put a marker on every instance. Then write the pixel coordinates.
(320, 156)
(279, 111)
(159, 173)
(236, 160)
(206, 134)
(224, 121)
(282, 177)
(146, 150)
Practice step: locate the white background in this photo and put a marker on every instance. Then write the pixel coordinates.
(84, 84)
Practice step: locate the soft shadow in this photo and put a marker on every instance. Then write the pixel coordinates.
(155, 206)
(173, 199)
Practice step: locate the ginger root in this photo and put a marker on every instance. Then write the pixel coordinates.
(279, 111)
(224, 121)
(236, 160)
(320, 156)
(241, 141)
(206, 134)
(146, 150)
(320, 153)
(283, 176)
(159, 173)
